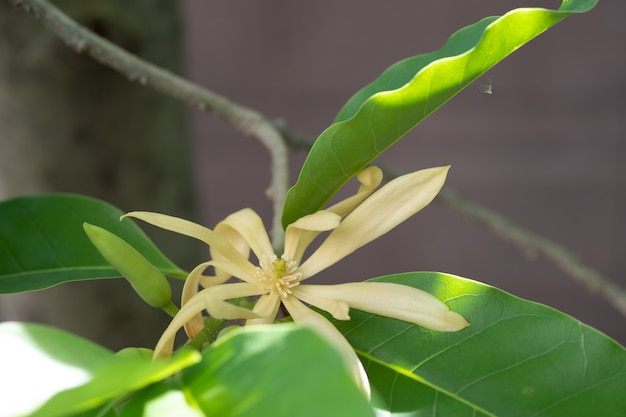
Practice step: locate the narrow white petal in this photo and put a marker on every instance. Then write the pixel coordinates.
(165, 345)
(206, 235)
(267, 308)
(236, 241)
(250, 227)
(301, 233)
(320, 221)
(396, 301)
(370, 178)
(336, 307)
(301, 314)
(215, 300)
(226, 269)
(190, 289)
(207, 281)
(382, 211)
(211, 299)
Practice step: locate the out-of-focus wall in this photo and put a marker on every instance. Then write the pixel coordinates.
(547, 148)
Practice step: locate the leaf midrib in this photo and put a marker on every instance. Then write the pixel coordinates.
(417, 378)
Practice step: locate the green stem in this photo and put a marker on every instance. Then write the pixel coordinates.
(170, 309)
(207, 335)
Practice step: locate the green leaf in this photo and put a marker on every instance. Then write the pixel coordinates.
(164, 399)
(405, 94)
(47, 372)
(42, 242)
(106, 410)
(517, 358)
(279, 370)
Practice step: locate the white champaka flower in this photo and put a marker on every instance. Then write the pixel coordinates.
(351, 224)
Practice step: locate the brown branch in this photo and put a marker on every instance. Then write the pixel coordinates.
(274, 135)
(248, 121)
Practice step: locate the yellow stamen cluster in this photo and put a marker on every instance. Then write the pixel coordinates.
(280, 274)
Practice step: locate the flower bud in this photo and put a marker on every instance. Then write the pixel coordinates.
(145, 278)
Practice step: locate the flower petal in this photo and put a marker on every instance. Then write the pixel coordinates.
(214, 300)
(370, 178)
(235, 239)
(301, 233)
(225, 269)
(211, 299)
(206, 235)
(190, 289)
(396, 301)
(249, 226)
(301, 314)
(328, 302)
(165, 345)
(382, 211)
(267, 308)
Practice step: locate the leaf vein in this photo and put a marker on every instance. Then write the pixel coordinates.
(511, 366)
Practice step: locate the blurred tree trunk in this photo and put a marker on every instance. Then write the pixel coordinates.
(68, 124)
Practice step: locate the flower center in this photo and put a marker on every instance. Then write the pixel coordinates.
(279, 275)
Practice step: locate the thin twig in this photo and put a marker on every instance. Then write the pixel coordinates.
(135, 69)
(274, 135)
(528, 241)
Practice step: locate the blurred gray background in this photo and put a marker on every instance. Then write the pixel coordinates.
(546, 149)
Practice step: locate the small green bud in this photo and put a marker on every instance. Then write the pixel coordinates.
(145, 278)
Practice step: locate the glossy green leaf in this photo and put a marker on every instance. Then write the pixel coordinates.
(42, 242)
(279, 370)
(405, 94)
(517, 358)
(47, 372)
(164, 399)
(106, 410)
